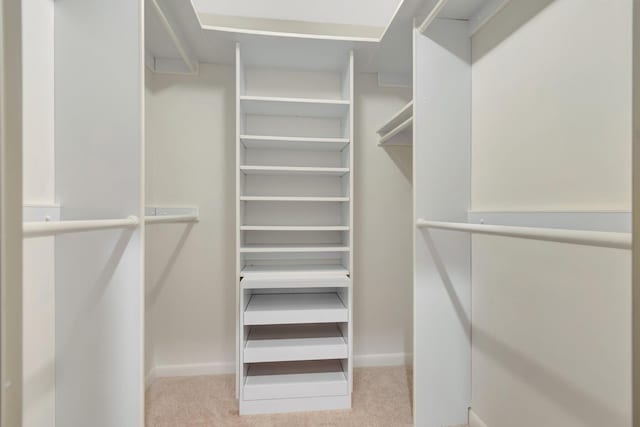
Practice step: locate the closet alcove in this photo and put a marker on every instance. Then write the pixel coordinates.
(446, 197)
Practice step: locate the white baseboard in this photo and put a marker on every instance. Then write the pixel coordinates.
(474, 420)
(382, 359)
(194, 369)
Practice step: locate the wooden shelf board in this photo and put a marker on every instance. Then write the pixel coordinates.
(294, 228)
(264, 248)
(293, 143)
(292, 199)
(303, 107)
(398, 118)
(295, 342)
(292, 170)
(290, 308)
(294, 379)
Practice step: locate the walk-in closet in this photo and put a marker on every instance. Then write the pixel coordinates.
(299, 213)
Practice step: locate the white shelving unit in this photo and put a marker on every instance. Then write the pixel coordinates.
(294, 234)
(398, 130)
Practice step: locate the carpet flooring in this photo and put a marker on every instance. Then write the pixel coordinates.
(381, 398)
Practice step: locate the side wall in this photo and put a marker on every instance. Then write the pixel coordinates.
(190, 271)
(38, 189)
(552, 131)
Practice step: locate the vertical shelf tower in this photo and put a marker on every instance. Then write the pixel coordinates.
(294, 241)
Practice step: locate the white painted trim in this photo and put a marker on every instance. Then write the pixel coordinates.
(484, 15)
(192, 369)
(382, 359)
(474, 420)
(432, 15)
(181, 46)
(221, 368)
(289, 28)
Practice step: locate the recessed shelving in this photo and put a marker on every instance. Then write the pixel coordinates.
(294, 342)
(303, 107)
(284, 248)
(293, 143)
(292, 170)
(290, 308)
(292, 199)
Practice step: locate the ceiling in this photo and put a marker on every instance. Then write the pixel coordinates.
(375, 13)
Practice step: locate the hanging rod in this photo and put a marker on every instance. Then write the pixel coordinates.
(577, 237)
(161, 219)
(46, 228)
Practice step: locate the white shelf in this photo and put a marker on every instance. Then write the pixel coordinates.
(278, 309)
(281, 248)
(295, 342)
(404, 129)
(293, 143)
(293, 270)
(295, 276)
(294, 228)
(295, 380)
(303, 107)
(292, 199)
(292, 170)
(401, 116)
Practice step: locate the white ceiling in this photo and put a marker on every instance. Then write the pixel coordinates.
(375, 13)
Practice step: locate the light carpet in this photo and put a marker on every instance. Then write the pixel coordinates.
(381, 398)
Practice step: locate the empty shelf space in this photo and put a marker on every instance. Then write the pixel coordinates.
(304, 107)
(294, 228)
(292, 170)
(278, 309)
(294, 342)
(400, 117)
(293, 199)
(293, 143)
(264, 248)
(294, 380)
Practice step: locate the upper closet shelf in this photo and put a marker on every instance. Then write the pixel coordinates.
(398, 130)
(293, 143)
(303, 107)
(292, 170)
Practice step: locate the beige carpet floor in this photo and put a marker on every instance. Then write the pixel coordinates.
(381, 398)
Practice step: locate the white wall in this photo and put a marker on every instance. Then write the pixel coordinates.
(190, 280)
(190, 274)
(38, 189)
(552, 131)
(383, 231)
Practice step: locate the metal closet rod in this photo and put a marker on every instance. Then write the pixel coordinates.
(578, 237)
